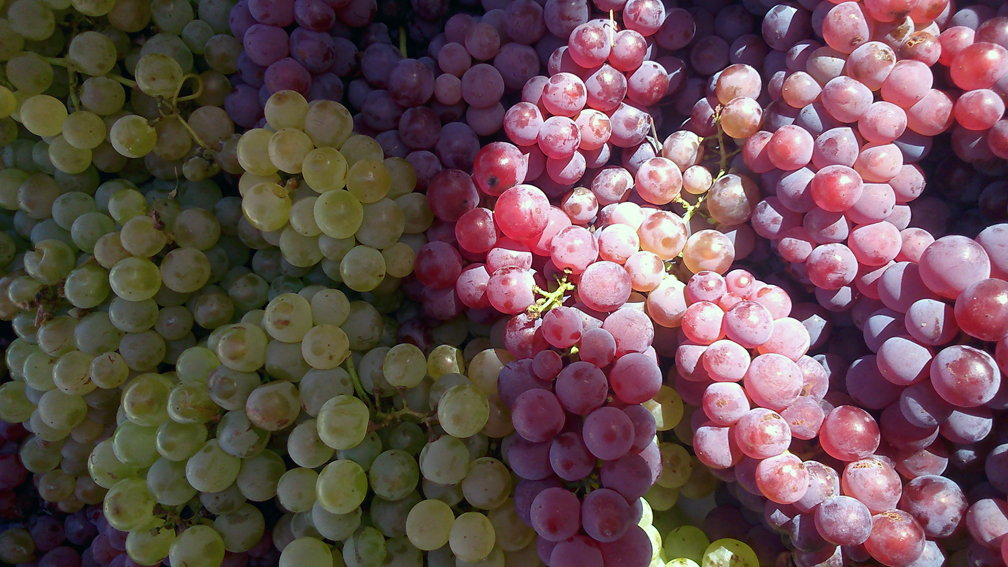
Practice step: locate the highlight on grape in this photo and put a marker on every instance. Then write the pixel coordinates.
(503, 283)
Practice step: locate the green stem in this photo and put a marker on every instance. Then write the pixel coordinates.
(191, 131)
(356, 382)
(550, 299)
(196, 94)
(402, 41)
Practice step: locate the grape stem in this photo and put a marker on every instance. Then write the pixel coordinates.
(402, 41)
(62, 62)
(550, 299)
(356, 382)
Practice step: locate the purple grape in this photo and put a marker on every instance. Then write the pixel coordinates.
(315, 51)
(287, 75)
(265, 44)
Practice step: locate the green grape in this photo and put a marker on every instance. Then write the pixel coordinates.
(298, 250)
(197, 546)
(288, 318)
(273, 406)
(56, 485)
(362, 268)
(93, 8)
(363, 326)
(358, 147)
(341, 487)
(725, 552)
(8, 131)
(173, 140)
(242, 347)
(143, 351)
(223, 502)
(404, 366)
(288, 148)
(660, 498)
(343, 422)
(442, 385)
(38, 368)
(170, 45)
(471, 537)
(149, 545)
(249, 180)
(40, 456)
(196, 34)
(92, 53)
(43, 431)
(30, 73)
(211, 310)
(166, 481)
(407, 436)
(305, 447)
(368, 180)
(302, 219)
(666, 407)
(15, 407)
(687, 542)
(95, 334)
(195, 364)
(487, 484)
(445, 359)
(126, 204)
(428, 524)
(50, 262)
(17, 354)
(69, 206)
(158, 75)
(133, 316)
(71, 374)
(16, 546)
(366, 548)
(325, 347)
(253, 152)
(230, 389)
(190, 403)
(676, 465)
(179, 441)
(394, 474)
(681, 562)
(221, 53)
(329, 307)
(132, 136)
(87, 286)
(171, 16)
(267, 206)
(249, 292)
(129, 505)
(10, 181)
(336, 527)
(174, 324)
(108, 370)
(196, 228)
(185, 270)
(328, 123)
(61, 411)
(259, 475)
(382, 225)
(402, 176)
(296, 489)
(335, 248)
(105, 468)
(32, 19)
(338, 214)
(510, 532)
(324, 169)
(285, 362)
(67, 158)
(241, 529)
(145, 399)
(306, 551)
(84, 130)
(8, 103)
(108, 250)
(211, 469)
(141, 236)
(445, 461)
(463, 410)
(88, 228)
(286, 109)
(43, 115)
(365, 453)
(135, 279)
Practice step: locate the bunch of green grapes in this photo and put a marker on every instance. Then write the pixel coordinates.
(100, 85)
(326, 196)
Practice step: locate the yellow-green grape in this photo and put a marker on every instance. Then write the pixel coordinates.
(666, 407)
(211, 469)
(105, 468)
(362, 268)
(338, 213)
(56, 485)
(93, 8)
(50, 262)
(445, 461)
(149, 545)
(87, 286)
(185, 270)
(366, 548)
(8, 102)
(108, 370)
(71, 374)
(29, 72)
(402, 177)
(687, 542)
(299, 250)
(463, 411)
(253, 152)
(729, 552)
(197, 546)
(92, 53)
(368, 180)
(196, 228)
(135, 279)
(382, 225)
(305, 448)
(416, 213)
(179, 441)
(287, 149)
(471, 537)
(236, 435)
(302, 220)
(132, 136)
(324, 169)
(405, 366)
(32, 19)
(337, 527)
(129, 505)
(286, 109)
(394, 474)
(16, 546)
(488, 483)
(325, 347)
(126, 204)
(510, 532)
(287, 318)
(701, 482)
(173, 140)
(102, 95)
(242, 347)
(358, 147)
(267, 206)
(445, 359)
(15, 407)
(40, 456)
(195, 364)
(676, 465)
(273, 406)
(341, 486)
(67, 158)
(343, 422)
(134, 445)
(328, 123)
(249, 180)
(61, 411)
(190, 403)
(661, 498)
(145, 399)
(306, 551)
(330, 307)
(428, 524)
(259, 476)
(240, 529)
(158, 75)
(296, 489)
(399, 260)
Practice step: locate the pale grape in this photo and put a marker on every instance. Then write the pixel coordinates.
(341, 486)
(197, 546)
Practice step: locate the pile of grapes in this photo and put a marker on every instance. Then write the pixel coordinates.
(503, 283)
